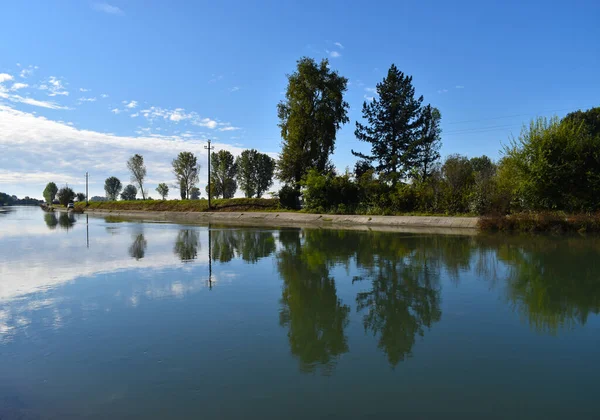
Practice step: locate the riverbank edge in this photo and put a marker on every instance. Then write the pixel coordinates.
(284, 219)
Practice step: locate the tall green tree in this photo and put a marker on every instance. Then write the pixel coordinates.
(254, 172)
(50, 192)
(136, 166)
(223, 171)
(112, 187)
(429, 143)
(65, 195)
(394, 125)
(129, 193)
(310, 116)
(195, 193)
(186, 169)
(80, 196)
(163, 190)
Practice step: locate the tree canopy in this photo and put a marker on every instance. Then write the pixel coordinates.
(112, 187)
(186, 169)
(395, 126)
(50, 192)
(65, 195)
(313, 111)
(163, 190)
(129, 193)
(254, 172)
(223, 171)
(136, 166)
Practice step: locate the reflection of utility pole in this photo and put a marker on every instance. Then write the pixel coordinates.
(209, 260)
(86, 189)
(87, 228)
(209, 149)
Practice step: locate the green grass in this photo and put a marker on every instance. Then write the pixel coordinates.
(221, 205)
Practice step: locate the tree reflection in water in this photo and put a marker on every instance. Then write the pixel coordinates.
(311, 310)
(51, 220)
(187, 244)
(249, 244)
(137, 249)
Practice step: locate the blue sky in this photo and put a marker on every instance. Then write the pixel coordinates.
(83, 85)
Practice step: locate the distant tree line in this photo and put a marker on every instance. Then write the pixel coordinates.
(13, 200)
(252, 171)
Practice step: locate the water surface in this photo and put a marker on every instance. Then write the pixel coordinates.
(103, 318)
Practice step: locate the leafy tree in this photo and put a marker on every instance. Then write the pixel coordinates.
(129, 193)
(136, 166)
(65, 195)
(222, 174)
(458, 176)
(361, 167)
(255, 172)
(80, 196)
(163, 190)
(186, 169)
(112, 187)
(50, 192)
(195, 193)
(394, 126)
(429, 143)
(309, 118)
(556, 164)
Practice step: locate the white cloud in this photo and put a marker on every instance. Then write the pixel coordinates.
(206, 122)
(333, 54)
(137, 114)
(215, 78)
(234, 89)
(35, 102)
(5, 77)
(104, 96)
(371, 90)
(339, 45)
(130, 105)
(84, 90)
(442, 91)
(178, 115)
(459, 87)
(54, 86)
(26, 72)
(107, 8)
(53, 147)
(82, 99)
(17, 86)
(369, 98)
(229, 128)
(116, 111)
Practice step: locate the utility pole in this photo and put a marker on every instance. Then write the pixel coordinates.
(86, 189)
(209, 191)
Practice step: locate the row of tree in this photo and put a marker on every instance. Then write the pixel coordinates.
(252, 172)
(553, 165)
(13, 200)
(63, 195)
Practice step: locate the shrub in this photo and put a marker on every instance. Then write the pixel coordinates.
(289, 197)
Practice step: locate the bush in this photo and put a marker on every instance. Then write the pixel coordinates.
(329, 192)
(289, 197)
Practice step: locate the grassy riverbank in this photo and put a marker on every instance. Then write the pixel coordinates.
(221, 205)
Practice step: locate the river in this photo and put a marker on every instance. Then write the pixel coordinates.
(104, 318)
